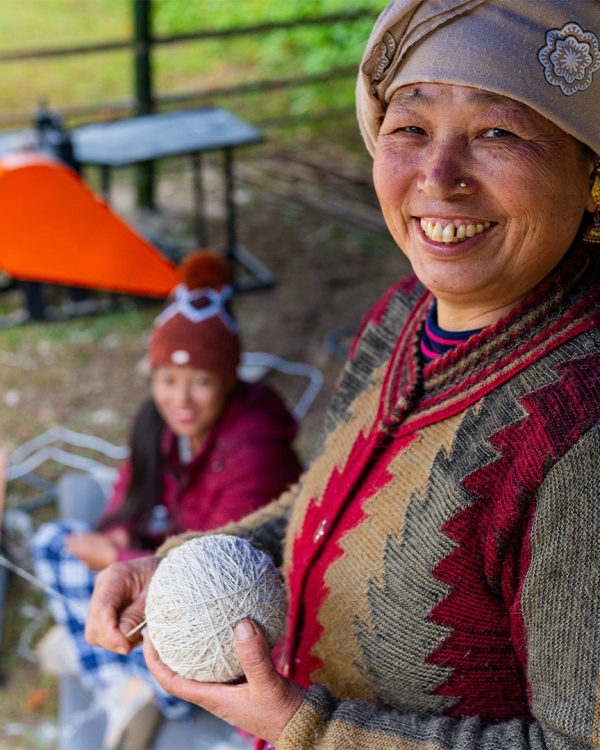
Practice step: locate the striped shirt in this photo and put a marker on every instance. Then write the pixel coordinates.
(435, 341)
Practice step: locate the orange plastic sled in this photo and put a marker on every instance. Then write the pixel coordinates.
(54, 229)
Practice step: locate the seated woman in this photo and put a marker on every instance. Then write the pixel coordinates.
(206, 448)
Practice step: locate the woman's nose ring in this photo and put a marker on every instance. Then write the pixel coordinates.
(463, 183)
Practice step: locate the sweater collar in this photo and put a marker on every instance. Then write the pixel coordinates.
(566, 303)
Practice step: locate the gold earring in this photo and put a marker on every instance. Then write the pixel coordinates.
(592, 233)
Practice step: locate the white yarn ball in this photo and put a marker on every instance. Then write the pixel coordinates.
(199, 592)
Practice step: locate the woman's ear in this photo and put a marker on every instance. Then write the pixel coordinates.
(593, 200)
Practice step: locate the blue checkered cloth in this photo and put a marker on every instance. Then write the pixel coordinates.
(55, 566)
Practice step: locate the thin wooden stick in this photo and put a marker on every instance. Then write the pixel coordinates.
(6, 563)
(20, 571)
(136, 630)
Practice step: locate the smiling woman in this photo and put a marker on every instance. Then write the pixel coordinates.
(190, 400)
(441, 553)
(470, 184)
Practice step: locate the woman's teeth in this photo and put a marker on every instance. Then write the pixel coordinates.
(451, 233)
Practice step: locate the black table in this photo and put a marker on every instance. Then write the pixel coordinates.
(159, 136)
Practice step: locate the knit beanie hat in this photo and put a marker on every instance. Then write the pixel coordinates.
(196, 328)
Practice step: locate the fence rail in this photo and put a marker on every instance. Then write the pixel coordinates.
(144, 99)
(139, 49)
(263, 28)
(199, 96)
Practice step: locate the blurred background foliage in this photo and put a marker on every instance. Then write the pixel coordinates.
(195, 65)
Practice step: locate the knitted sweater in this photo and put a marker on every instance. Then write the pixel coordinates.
(247, 459)
(442, 552)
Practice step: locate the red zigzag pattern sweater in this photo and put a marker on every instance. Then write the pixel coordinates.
(442, 552)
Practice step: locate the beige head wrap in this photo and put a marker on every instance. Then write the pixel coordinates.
(544, 53)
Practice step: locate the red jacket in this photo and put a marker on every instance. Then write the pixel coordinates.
(246, 461)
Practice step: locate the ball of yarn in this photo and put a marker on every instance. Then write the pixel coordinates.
(199, 592)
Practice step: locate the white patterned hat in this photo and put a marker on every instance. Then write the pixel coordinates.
(196, 327)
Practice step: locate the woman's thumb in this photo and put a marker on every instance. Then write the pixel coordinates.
(253, 651)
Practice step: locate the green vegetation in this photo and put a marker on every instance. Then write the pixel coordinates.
(190, 66)
(80, 330)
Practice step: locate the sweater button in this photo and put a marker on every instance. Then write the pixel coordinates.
(217, 466)
(320, 532)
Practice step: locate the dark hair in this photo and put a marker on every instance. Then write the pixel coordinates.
(144, 491)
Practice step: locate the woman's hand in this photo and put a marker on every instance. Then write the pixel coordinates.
(97, 550)
(118, 602)
(262, 705)
(119, 536)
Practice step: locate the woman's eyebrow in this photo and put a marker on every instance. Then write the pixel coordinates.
(478, 96)
(497, 100)
(505, 110)
(498, 106)
(406, 98)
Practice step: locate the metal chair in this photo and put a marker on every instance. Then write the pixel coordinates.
(77, 719)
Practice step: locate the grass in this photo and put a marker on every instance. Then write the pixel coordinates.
(133, 321)
(109, 77)
(32, 24)
(58, 374)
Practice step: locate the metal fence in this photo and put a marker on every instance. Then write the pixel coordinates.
(143, 45)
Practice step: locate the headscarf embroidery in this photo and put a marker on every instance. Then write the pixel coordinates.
(381, 59)
(536, 52)
(570, 58)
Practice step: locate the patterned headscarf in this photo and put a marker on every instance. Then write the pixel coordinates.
(543, 53)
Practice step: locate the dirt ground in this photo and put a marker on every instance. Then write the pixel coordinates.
(307, 210)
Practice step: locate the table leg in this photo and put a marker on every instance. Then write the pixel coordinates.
(200, 219)
(105, 183)
(230, 205)
(258, 275)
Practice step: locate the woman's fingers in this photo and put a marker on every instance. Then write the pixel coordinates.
(117, 604)
(96, 550)
(277, 697)
(262, 705)
(188, 690)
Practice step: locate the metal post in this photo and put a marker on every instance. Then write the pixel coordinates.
(105, 183)
(143, 92)
(230, 205)
(201, 228)
(259, 275)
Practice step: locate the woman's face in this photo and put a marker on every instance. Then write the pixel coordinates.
(190, 400)
(480, 247)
